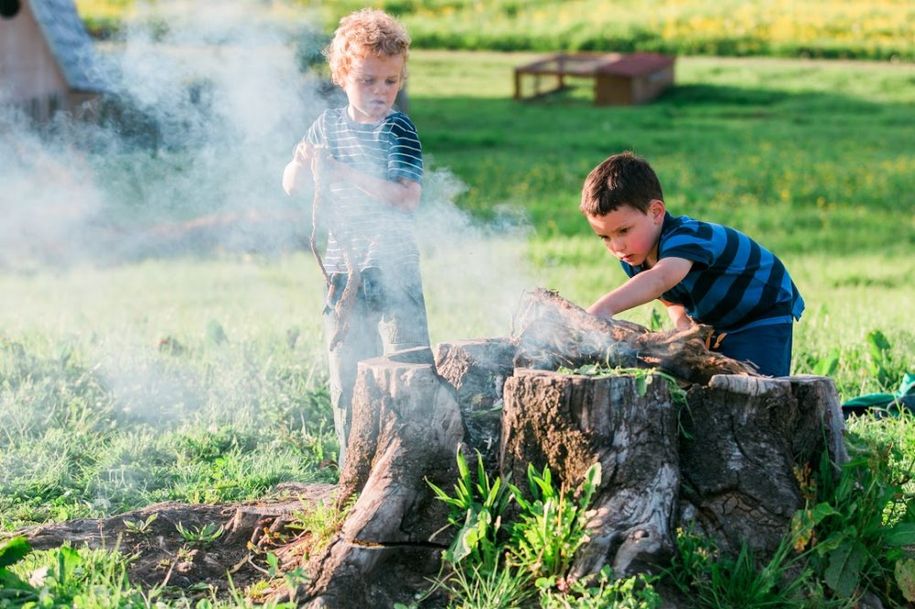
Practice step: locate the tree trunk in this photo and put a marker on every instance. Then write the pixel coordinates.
(746, 444)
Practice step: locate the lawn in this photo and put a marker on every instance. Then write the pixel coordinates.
(879, 29)
(200, 377)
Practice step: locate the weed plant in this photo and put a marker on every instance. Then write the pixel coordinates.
(496, 562)
(713, 581)
(92, 579)
(860, 525)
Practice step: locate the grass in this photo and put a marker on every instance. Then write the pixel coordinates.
(201, 378)
(810, 158)
(796, 28)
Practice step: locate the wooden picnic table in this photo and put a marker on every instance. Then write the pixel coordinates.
(619, 79)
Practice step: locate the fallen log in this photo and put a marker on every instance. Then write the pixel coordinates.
(551, 332)
(161, 554)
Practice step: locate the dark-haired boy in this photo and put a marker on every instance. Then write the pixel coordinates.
(702, 272)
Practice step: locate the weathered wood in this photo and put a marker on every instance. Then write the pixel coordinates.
(552, 332)
(156, 548)
(571, 422)
(746, 439)
(476, 370)
(406, 425)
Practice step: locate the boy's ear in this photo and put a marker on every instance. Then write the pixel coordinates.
(657, 209)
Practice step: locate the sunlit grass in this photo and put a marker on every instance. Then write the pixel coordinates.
(807, 28)
(118, 390)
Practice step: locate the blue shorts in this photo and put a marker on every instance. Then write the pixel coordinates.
(766, 347)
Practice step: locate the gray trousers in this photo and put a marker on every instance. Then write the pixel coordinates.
(388, 315)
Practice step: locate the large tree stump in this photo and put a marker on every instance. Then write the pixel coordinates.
(570, 422)
(724, 461)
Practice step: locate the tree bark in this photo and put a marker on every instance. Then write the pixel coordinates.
(747, 441)
(406, 427)
(569, 422)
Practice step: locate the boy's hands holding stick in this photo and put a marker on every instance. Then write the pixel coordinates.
(310, 163)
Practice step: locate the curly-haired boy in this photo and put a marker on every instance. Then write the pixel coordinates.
(365, 160)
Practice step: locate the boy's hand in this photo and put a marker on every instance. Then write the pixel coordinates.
(304, 167)
(317, 158)
(306, 154)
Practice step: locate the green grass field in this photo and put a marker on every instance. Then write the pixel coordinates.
(202, 378)
(880, 30)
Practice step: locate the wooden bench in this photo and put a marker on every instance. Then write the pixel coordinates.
(619, 79)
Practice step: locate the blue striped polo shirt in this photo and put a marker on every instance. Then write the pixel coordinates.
(377, 233)
(734, 282)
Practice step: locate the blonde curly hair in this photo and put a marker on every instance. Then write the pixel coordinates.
(363, 33)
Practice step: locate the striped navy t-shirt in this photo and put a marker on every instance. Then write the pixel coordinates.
(734, 282)
(376, 233)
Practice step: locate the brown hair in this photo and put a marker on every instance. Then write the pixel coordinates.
(362, 33)
(622, 179)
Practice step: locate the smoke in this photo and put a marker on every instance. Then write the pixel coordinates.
(185, 155)
(186, 158)
(476, 271)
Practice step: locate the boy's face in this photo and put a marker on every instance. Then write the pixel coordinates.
(631, 234)
(371, 85)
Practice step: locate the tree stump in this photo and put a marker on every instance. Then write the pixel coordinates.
(476, 370)
(569, 422)
(746, 441)
(406, 426)
(724, 461)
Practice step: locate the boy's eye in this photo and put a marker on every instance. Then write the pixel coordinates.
(392, 81)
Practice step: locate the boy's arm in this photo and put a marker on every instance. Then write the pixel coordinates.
(643, 287)
(403, 194)
(678, 315)
(298, 171)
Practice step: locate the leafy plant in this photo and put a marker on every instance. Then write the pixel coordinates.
(140, 527)
(827, 365)
(643, 377)
(477, 586)
(67, 577)
(862, 525)
(320, 521)
(202, 535)
(716, 581)
(882, 367)
(627, 593)
(292, 578)
(551, 527)
(13, 589)
(476, 508)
